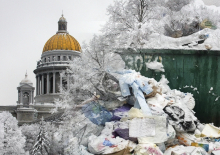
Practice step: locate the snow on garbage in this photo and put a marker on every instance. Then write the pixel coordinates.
(206, 39)
(147, 118)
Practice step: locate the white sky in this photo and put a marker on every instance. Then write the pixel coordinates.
(26, 25)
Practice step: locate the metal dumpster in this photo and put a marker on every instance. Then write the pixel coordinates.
(186, 70)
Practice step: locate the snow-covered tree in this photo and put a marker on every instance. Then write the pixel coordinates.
(89, 72)
(12, 141)
(30, 132)
(132, 21)
(42, 144)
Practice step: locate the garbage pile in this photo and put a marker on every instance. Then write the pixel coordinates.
(153, 120)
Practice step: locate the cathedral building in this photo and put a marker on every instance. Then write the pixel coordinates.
(57, 52)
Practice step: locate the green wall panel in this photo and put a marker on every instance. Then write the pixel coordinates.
(199, 69)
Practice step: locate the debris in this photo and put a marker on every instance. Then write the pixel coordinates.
(211, 131)
(157, 120)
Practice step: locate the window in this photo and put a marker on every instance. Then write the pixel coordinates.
(64, 58)
(70, 58)
(58, 58)
(45, 59)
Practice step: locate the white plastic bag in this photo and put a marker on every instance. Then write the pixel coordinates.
(141, 127)
(160, 129)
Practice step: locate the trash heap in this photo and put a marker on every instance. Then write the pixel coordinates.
(148, 118)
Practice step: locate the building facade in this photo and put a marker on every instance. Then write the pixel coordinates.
(57, 52)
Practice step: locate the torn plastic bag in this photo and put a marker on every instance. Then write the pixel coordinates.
(157, 101)
(163, 84)
(96, 113)
(188, 150)
(160, 131)
(74, 148)
(108, 129)
(125, 151)
(171, 133)
(215, 152)
(157, 111)
(120, 112)
(139, 85)
(147, 149)
(205, 146)
(111, 104)
(182, 120)
(121, 125)
(99, 145)
(83, 150)
(162, 147)
(142, 127)
(210, 131)
(124, 133)
(85, 129)
(186, 138)
(171, 137)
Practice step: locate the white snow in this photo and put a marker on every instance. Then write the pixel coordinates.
(155, 65)
(195, 89)
(217, 98)
(159, 41)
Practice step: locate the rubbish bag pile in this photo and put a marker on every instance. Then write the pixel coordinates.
(153, 120)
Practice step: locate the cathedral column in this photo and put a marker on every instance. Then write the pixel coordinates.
(48, 88)
(42, 84)
(21, 97)
(32, 101)
(54, 85)
(38, 84)
(61, 84)
(68, 81)
(30, 95)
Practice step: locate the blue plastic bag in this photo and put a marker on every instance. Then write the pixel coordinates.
(96, 113)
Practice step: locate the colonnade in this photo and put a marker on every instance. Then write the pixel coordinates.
(44, 88)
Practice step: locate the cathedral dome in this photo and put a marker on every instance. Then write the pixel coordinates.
(62, 19)
(26, 80)
(62, 40)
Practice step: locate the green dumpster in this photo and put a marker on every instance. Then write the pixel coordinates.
(194, 71)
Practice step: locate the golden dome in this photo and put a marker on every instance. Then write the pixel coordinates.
(62, 41)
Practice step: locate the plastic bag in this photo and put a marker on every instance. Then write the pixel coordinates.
(142, 127)
(147, 149)
(186, 139)
(160, 131)
(96, 113)
(188, 150)
(107, 145)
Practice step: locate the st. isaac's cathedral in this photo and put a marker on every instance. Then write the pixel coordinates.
(57, 52)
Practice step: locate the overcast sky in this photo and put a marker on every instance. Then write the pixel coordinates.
(26, 25)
